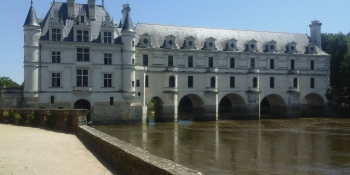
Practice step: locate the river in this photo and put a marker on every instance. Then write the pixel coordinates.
(246, 147)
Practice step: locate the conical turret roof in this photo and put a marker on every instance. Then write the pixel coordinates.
(128, 26)
(31, 20)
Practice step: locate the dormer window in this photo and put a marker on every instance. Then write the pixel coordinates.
(311, 48)
(209, 44)
(251, 46)
(82, 35)
(169, 42)
(291, 47)
(145, 41)
(82, 19)
(189, 43)
(231, 45)
(107, 30)
(270, 46)
(56, 34)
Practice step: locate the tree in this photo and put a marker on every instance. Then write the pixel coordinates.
(6, 82)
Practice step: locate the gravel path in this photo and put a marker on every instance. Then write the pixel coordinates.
(26, 150)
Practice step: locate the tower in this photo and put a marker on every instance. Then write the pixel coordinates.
(32, 32)
(128, 40)
(315, 32)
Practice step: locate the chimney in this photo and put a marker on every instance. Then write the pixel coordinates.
(124, 11)
(70, 7)
(91, 4)
(315, 33)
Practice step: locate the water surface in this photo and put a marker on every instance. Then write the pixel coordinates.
(246, 147)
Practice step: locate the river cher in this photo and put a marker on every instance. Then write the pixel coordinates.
(246, 147)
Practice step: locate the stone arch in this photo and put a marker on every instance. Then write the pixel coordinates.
(156, 110)
(83, 104)
(191, 106)
(313, 105)
(232, 106)
(273, 106)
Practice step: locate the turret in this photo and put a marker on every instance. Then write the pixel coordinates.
(128, 40)
(315, 32)
(32, 32)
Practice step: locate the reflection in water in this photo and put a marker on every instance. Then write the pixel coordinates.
(300, 146)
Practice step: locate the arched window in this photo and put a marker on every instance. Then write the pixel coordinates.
(295, 82)
(171, 81)
(255, 82)
(212, 82)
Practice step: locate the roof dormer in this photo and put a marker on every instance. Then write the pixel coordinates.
(291, 47)
(189, 43)
(82, 20)
(231, 45)
(169, 42)
(270, 46)
(251, 46)
(145, 41)
(209, 44)
(107, 31)
(311, 48)
(56, 25)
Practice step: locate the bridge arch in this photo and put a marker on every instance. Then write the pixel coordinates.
(313, 105)
(232, 106)
(273, 106)
(155, 108)
(191, 106)
(83, 104)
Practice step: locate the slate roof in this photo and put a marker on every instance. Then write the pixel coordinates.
(31, 19)
(159, 32)
(100, 14)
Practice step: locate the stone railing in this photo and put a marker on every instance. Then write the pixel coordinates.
(293, 71)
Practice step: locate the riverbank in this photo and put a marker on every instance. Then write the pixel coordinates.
(26, 150)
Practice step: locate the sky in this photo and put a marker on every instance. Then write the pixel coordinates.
(258, 15)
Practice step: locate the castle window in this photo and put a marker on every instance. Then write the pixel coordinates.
(107, 58)
(312, 65)
(292, 64)
(107, 80)
(52, 99)
(272, 64)
(146, 81)
(209, 44)
(82, 77)
(107, 37)
(231, 45)
(211, 62)
(56, 80)
(82, 36)
(111, 101)
(83, 54)
(291, 47)
(312, 82)
(189, 43)
(171, 81)
(255, 82)
(295, 82)
(251, 46)
(190, 61)
(232, 82)
(232, 62)
(170, 60)
(270, 46)
(56, 34)
(56, 57)
(145, 60)
(82, 19)
(212, 82)
(137, 83)
(272, 82)
(190, 81)
(252, 63)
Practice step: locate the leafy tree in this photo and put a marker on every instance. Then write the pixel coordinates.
(8, 83)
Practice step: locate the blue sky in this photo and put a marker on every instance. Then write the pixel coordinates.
(262, 15)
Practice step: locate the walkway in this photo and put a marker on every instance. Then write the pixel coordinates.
(26, 150)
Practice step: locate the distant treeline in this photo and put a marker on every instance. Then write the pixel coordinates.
(338, 46)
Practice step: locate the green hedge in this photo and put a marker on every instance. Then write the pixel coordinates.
(67, 120)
